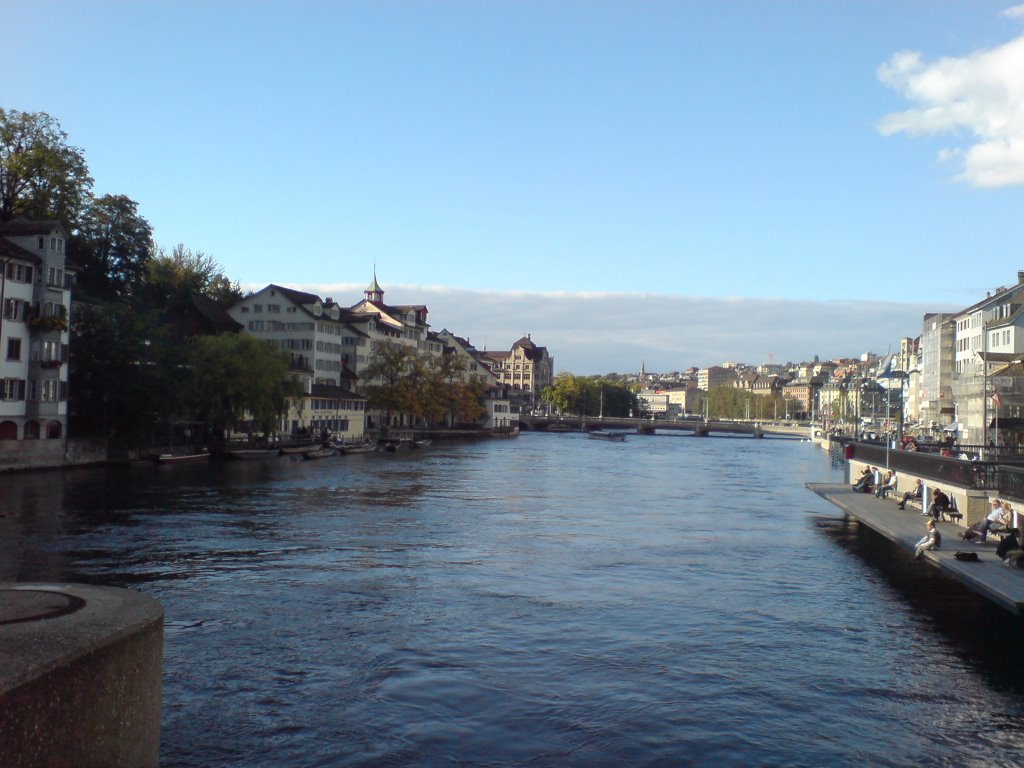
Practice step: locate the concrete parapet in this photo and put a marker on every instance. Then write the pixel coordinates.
(80, 676)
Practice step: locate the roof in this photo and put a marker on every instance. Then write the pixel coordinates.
(9, 250)
(20, 227)
(214, 312)
(298, 297)
(329, 390)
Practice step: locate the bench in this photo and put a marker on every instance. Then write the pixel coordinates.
(954, 514)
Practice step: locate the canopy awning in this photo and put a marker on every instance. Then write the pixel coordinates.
(1013, 423)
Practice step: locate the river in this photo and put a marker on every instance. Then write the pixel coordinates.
(544, 601)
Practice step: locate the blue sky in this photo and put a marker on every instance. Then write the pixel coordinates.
(644, 166)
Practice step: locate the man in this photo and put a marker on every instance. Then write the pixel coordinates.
(889, 486)
(995, 519)
(940, 504)
(864, 483)
(868, 480)
(932, 540)
(915, 494)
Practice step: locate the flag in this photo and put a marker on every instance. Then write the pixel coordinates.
(996, 401)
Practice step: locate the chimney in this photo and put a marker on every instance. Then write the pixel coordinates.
(1020, 276)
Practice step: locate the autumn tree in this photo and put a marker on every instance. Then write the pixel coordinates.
(390, 378)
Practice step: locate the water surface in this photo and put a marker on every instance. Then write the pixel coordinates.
(545, 601)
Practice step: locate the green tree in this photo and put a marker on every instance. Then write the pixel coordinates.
(113, 247)
(127, 379)
(41, 176)
(172, 278)
(238, 378)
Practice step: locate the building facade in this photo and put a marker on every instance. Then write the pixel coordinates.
(525, 369)
(35, 295)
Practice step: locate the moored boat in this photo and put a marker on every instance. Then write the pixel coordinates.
(292, 449)
(602, 434)
(319, 453)
(248, 454)
(181, 458)
(357, 448)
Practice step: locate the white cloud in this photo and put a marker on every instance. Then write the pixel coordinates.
(981, 94)
(591, 333)
(1016, 12)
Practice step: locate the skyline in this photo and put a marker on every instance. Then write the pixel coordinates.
(852, 165)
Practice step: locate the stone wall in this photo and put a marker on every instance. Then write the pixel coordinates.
(80, 677)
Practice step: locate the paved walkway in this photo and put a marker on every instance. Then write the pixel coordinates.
(989, 577)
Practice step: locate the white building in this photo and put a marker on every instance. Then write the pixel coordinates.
(35, 293)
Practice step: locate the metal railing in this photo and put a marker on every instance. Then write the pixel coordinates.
(1004, 479)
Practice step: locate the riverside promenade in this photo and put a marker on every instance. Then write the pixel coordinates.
(988, 577)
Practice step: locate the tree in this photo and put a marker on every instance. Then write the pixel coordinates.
(172, 278)
(127, 379)
(239, 378)
(581, 395)
(448, 394)
(392, 374)
(41, 176)
(113, 247)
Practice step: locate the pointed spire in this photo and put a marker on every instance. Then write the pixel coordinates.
(374, 292)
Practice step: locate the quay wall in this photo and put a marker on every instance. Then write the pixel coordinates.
(80, 677)
(972, 503)
(51, 454)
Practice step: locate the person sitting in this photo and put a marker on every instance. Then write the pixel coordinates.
(931, 541)
(1009, 544)
(996, 521)
(863, 484)
(914, 495)
(940, 504)
(889, 485)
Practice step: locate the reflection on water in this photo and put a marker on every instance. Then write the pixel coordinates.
(546, 601)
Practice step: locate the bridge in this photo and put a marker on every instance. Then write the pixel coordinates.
(698, 427)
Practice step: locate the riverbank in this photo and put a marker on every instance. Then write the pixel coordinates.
(988, 577)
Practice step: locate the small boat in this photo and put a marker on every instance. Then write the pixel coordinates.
(300, 449)
(420, 443)
(181, 458)
(603, 434)
(319, 453)
(357, 448)
(247, 454)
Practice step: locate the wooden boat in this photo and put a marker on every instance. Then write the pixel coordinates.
(602, 434)
(357, 448)
(319, 453)
(181, 458)
(299, 449)
(247, 454)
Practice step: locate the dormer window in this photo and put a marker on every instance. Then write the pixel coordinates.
(42, 244)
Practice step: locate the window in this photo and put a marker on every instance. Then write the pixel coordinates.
(15, 309)
(257, 307)
(19, 273)
(12, 389)
(14, 349)
(53, 243)
(50, 391)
